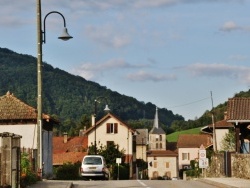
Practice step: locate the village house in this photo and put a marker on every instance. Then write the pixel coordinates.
(111, 129)
(21, 119)
(162, 161)
(221, 129)
(188, 146)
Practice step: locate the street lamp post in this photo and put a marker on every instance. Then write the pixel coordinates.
(41, 38)
(106, 109)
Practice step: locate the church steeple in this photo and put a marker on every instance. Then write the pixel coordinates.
(156, 120)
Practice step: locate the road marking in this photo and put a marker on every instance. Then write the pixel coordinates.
(143, 184)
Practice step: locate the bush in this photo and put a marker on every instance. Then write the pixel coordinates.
(68, 171)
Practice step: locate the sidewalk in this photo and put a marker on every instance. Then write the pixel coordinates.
(227, 182)
(52, 184)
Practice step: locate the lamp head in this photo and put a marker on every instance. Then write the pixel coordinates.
(106, 108)
(65, 35)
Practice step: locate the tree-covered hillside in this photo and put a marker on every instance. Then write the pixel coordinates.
(69, 97)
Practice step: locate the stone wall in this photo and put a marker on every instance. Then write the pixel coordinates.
(241, 165)
(216, 166)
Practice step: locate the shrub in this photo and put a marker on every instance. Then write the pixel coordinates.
(68, 171)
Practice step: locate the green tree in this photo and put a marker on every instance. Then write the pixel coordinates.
(228, 142)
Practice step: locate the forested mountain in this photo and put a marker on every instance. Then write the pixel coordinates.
(70, 97)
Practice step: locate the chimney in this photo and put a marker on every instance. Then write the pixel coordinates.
(65, 137)
(93, 120)
(225, 115)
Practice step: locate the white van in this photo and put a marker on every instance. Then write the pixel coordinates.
(94, 167)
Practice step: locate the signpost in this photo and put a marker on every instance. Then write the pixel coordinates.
(118, 161)
(203, 160)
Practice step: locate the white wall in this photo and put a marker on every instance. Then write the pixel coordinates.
(123, 138)
(193, 154)
(28, 133)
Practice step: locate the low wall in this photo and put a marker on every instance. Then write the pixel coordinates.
(238, 166)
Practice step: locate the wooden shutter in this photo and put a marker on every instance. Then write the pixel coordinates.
(108, 127)
(116, 128)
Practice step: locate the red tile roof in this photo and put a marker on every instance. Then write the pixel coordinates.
(221, 124)
(194, 140)
(70, 152)
(238, 109)
(68, 157)
(162, 153)
(12, 108)
(74, 144)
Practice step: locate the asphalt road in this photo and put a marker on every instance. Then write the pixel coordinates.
(142, 184)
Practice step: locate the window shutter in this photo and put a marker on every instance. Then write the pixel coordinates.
(108, 127)
(116, 128)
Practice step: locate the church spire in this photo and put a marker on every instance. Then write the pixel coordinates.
(156, 121)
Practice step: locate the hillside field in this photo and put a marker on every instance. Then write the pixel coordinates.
(173, 137)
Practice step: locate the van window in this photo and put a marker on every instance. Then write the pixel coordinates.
(93, 160)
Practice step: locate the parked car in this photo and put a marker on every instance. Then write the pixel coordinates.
(94, 167)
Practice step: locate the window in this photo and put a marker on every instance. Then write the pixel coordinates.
(155, 164)
(185, 156)
(160, 145)
(167, 164)
(110, 143)
(112, 128)
(160, 137)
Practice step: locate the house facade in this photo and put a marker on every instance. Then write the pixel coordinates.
(110, 129)
(221, 129)
(188, 146)
(19, 118)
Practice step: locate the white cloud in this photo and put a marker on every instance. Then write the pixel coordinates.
(230, 26)
(108, 36)
(238, 73)
(92, 71)
(146, 76)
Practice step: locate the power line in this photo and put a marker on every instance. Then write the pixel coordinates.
(190, 103)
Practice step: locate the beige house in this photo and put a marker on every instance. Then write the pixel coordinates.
(221, 129)
(162, 161)
(111, 129)
(188, 146)
(141, 144)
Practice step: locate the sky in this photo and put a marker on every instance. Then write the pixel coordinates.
(182, 55)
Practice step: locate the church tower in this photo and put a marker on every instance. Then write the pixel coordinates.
(157, 136)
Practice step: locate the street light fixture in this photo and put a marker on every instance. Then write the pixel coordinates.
(41, 38)
(106, 109)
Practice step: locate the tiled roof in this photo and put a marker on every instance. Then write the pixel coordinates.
(238, 109)
(74, 144)
(194, 140)
(68, 157)
(142, 137)
(161, 153)
(158, 130)
(12, 108)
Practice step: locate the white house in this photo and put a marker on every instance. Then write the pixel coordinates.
(111, 129)
(21, 119)
(188, 147)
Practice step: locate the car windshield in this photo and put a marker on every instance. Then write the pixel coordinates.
(93, 160)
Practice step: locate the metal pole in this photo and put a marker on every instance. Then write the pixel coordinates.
(95, 125)
(39, 86)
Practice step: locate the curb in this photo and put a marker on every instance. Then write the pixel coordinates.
(218, 184)
(70, 185)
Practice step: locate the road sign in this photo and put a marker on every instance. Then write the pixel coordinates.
(203, 163)
(202, 154)
(118, 160)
